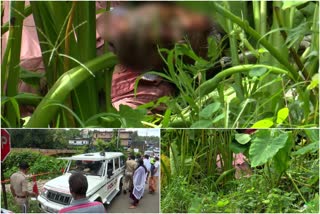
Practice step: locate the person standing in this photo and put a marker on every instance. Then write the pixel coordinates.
(128, 174)
(19, 187)
(155, 168)
(139, 179)
(78, 186)
(147, 164)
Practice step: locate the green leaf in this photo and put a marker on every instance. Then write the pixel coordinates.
(257, 72)
(238, 148)
(282, 115)
(207, 112)
(218, 118)
(131, 117)
(313, 135)
(310, 148)
(202, 124)
(223, 203)
(282, 158)
(314, 82)
(243, 138)
(289, 4)
(265, 145)
(265, 123)
(31, 77)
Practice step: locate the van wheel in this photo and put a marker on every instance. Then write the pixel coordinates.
(120, 187)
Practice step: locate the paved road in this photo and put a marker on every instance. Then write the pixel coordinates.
(148, 204)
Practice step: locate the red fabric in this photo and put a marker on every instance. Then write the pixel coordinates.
(35, 186)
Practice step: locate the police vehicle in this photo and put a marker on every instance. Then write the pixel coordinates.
(104, 172)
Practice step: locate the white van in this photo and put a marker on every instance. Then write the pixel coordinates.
(104, 172)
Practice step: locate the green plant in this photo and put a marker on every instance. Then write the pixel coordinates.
(177, 196)
(38, 164)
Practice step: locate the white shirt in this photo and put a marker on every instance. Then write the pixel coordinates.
(147, 164)
(157, 166)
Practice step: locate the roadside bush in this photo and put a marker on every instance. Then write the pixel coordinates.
(38, 163)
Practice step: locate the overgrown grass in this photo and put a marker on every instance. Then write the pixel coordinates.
(282, 82)
(283, 180)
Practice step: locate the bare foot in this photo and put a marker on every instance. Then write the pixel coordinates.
(132, 207)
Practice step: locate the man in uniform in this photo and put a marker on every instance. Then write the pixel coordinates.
(19, 187)
(78, 186)
(131, 165)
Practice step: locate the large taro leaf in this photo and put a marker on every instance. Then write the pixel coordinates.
(265, 146)
(281, 160)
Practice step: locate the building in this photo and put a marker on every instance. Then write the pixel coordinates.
(79, 141)
(123, 136)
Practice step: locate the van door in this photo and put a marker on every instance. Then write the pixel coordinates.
(111, 176)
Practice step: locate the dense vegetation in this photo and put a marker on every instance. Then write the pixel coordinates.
(278, 89)
(42, 138)
(283, 176)
(38, 164)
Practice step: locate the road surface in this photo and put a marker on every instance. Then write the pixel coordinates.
(148, 204)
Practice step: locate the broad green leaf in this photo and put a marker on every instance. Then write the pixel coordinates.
(243, 138)
(282, 115)
(207, 112)
(131, 117)
(289, 4)
(202, 124)
(238, 148)
(265, 123)
(218, 118)
(257, 72)
(265, 146)
(282, 158)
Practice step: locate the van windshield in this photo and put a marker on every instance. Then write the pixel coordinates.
(87, 167)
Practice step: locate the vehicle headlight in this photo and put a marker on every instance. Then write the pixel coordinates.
(44, 192)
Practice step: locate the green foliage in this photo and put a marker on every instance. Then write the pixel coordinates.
(176, 197)
(276, 89)
(265, 146)
(38, 164)
(42, 138)
(284, 180)
(33, 205)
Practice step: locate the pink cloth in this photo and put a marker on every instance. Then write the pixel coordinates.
(123, 83)
(238, 159)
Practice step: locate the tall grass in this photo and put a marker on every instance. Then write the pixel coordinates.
(283, 77)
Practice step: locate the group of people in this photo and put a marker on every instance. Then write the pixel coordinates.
(78, 186)
(137, 174)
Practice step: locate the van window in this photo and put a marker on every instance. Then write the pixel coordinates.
(110, 166)
(122, 161)
(86, 167)
(116, 163)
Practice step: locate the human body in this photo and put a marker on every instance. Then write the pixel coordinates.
(19, 187)
(154, 176)
(128, 174)
(139, 178)
(78, 186)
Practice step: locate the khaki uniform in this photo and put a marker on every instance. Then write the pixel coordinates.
(19, 183)
(128, 175)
